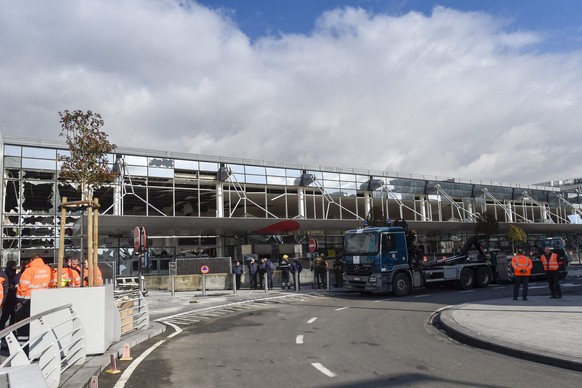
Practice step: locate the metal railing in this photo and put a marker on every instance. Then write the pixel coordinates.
(56, 343)
(133, 310)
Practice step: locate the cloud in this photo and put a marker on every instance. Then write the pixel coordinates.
(458, 94)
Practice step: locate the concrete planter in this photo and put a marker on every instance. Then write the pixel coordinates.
(95, 308)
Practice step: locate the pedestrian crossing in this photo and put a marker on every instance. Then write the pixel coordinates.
(207, 313)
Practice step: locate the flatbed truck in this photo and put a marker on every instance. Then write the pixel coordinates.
(385, 259)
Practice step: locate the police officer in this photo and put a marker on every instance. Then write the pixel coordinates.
(522, 266)
(284, 268)
(338, 270)
(238, 271)
(551, 267)
(253, 271)
(296, 267)
(269, 268)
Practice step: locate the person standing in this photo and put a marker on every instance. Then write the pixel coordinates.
(318, 268)
(284, 268)
(36, 276)
(253, 270)
(10, 302)
(551, 267)
(296, 269)
(269, 268)
(338, 270)
(522, 266)
(262, 271)
(238, 271)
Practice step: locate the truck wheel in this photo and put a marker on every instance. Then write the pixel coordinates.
(401, 285)
(483, 277)
(466, 279)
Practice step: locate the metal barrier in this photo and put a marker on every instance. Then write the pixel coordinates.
(133, 310)
(57, 342)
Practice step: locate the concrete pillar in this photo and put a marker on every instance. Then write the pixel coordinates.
(220, 247)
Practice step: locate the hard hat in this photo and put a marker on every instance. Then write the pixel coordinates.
(285, 256)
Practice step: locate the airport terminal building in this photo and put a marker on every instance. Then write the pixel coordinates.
(224, 206)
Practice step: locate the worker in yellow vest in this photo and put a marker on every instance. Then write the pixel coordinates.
(522, 266)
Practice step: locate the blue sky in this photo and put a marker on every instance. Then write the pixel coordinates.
(479, 90)
(559, 20)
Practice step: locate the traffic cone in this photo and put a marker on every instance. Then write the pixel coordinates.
(113, 366)
(126, 355)
(94, 382)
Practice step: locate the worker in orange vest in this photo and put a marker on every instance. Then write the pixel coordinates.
(73, 265)
(522, 266)
(36, 276)
(98, 278)
(551, 267)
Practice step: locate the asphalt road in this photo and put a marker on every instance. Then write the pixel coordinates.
(342, 340)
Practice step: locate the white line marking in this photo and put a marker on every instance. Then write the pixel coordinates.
(127, 373)
(467, 291)
(299, 339)
(421, 296)
(312, 320)
(323, 369)
(177, 328)
(342, 308)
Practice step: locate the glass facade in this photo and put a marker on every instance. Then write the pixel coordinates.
(169, 185)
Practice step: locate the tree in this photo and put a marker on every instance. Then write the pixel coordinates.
(87, 164)
(515, 234)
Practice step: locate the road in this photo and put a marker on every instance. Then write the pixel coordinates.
(340, 340)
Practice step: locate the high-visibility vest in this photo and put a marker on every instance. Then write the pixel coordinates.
(75, 277)
(98, 278)
(522, 265)
(65, 277)
(552, 264)
(36, 275)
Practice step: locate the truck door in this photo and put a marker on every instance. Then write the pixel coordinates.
(393, 250)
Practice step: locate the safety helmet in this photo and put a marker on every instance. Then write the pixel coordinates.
(285, 256)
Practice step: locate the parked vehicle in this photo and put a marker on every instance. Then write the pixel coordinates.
(385, 259)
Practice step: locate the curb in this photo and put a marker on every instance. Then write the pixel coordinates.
(443, 321)
(94, 365)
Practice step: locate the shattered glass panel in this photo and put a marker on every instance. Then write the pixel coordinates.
(11, 196)
(38, 197)
(161, 162)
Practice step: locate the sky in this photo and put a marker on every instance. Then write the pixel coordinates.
(483, 90)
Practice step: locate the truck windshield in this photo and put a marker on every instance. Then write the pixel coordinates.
(361, 244)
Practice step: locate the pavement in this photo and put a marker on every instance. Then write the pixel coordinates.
(551, 326)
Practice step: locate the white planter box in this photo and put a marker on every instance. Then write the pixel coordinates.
(94, 306)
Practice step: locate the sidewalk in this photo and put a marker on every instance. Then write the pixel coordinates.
(552, 327)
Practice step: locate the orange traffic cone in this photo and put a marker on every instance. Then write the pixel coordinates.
(126, 356)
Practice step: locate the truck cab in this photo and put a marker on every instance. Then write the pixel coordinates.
(373, 256)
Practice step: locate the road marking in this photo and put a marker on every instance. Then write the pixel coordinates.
(323, 369)
(342, 308)
(533, 287)
(312, 320)
(421, 296)
(299, 339)
(177, 328)
(127, 374)
(467, 291)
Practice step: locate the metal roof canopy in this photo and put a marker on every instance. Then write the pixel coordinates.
(206, 226)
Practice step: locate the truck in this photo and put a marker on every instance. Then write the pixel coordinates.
(385, 259)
